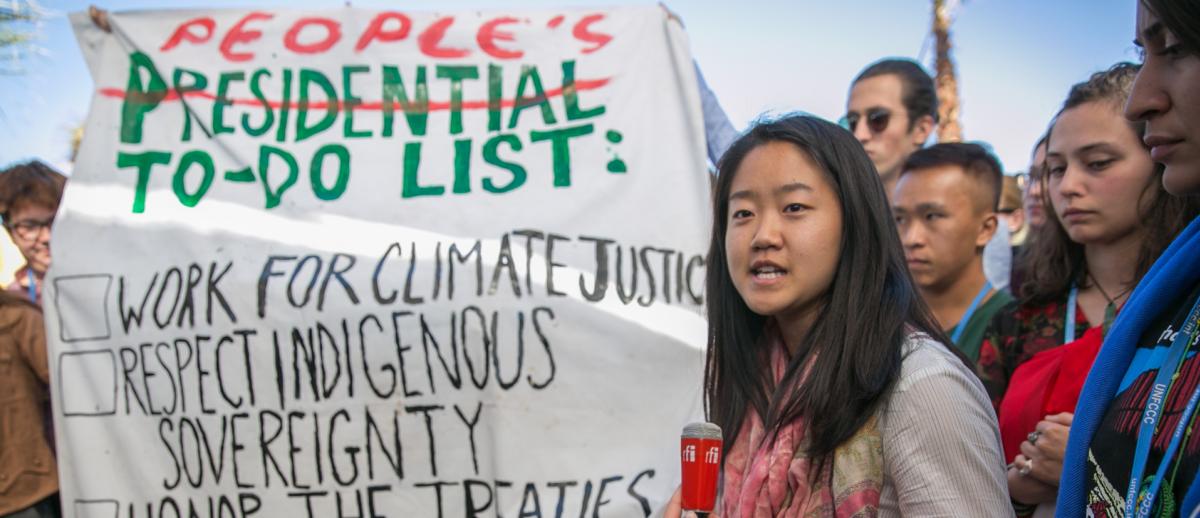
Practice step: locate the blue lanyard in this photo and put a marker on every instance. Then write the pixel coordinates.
(32, 288)
(1156, 404)
(1069, 333)
(966, 318)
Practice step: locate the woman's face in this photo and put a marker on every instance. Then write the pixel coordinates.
(1097, 170)
(784, 232)
(1166, 95)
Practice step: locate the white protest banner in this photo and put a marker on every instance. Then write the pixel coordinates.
(380, 264)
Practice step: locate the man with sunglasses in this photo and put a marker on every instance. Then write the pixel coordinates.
(892, 109)
(29, 197)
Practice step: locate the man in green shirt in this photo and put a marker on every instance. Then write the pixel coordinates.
(945, 207)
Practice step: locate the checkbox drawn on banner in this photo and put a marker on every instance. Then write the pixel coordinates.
(81, 302)
(97, 508)
(88, 383)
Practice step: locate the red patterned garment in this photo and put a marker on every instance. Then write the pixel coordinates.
(1017, 333)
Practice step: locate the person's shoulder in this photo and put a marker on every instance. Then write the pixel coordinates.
(936, 383)
(941, 445)
(922, 350)
(925, 357)
(15, 309)
(1001, 302)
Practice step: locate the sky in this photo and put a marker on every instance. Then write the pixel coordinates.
(1016, 59)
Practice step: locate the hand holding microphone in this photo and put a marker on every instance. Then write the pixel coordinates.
(700, 460)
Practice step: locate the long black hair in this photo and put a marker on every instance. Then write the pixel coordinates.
(855, 345)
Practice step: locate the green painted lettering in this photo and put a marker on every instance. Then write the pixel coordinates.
(268, 113)
(412, 164)
(198, 84)
(275, 196)
(571, 95)
(185, 164)
(495, 96)
(560, 144)
(243, 175)
(316, 172)
(462, 166)
(530, 77)
(140, 97)
(222, 101)
(456, 75)
(350, 102)
(144, 162)
(491, 155)
(308, 78)
(285, 106)
(416, 111)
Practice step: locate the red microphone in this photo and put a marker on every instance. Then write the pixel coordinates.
(700, 456)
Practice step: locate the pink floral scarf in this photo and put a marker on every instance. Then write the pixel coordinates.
(771, 480)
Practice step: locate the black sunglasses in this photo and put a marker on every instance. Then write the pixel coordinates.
(877, 120)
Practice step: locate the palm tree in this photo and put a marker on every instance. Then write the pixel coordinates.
(949, 128)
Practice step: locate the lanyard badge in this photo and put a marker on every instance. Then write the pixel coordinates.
(966, 318)
(1140, 502)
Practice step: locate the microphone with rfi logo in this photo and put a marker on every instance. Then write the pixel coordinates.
(700, 457)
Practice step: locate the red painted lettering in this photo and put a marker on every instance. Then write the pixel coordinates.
(431, 39)
(238, 34)
(333, 33)
(375, 31)
(489, 34)
(184, 32)
(582, 32)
